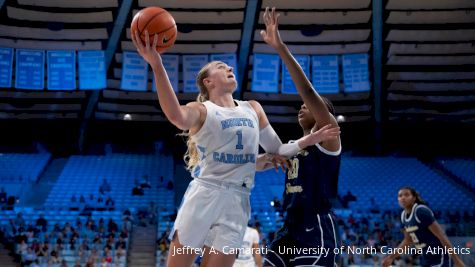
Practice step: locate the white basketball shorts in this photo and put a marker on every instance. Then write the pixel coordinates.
(214, 214)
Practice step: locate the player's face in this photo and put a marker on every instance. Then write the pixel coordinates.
(405, 198)
(305, 118)
(221, 76)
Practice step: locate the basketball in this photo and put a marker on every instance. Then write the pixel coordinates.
(155, 20)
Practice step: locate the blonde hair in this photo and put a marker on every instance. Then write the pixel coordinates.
(191, 156)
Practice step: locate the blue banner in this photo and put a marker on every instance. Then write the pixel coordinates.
(288, 86)
(192, 64)
(6, 63)
(92, 70)
(355, 73)
(171, 64)
(134, 72)
(30, 69)
(61, 70)
(265, 73)
(325, 74)
(230, 60)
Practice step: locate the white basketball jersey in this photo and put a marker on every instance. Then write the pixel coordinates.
(228, 144)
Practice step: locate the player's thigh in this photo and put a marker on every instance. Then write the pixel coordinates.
(215, 258)
(179, 257)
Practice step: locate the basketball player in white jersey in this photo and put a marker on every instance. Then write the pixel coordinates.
(224, 137)
(249, 255)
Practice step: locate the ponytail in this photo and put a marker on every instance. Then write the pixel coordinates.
(191, 157)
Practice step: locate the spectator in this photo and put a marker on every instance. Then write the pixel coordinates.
(127, 213)
(104, 187)
(277, 205)
(120, 256)
(350, 197)
(29, 257)
(126, 224)
(42, 223)
(11, 202)
(137, 191)
(170, 185)
(74, 205)
(373, 206)
(100, 201)
(109, 202)
(121, 243)
(3, 196)
(19, 219)
(90, 200)
(161, 182)
(43, 250)
(112, 226)
(145, 183)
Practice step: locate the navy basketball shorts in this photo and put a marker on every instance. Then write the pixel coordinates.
(287, 251)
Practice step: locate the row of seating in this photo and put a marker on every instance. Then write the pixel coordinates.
(83, 175)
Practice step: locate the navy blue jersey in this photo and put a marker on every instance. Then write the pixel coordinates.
(416, 224)
(309, 186)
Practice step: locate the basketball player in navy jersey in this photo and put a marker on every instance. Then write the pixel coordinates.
(422, 230)
(309, 234)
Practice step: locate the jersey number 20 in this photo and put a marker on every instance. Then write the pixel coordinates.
(294, 169)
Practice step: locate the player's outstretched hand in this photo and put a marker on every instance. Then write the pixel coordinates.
(326, 133)
(271, 34)
(278, 161)
(147, 51)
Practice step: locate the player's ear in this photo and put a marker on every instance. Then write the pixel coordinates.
(207, 81)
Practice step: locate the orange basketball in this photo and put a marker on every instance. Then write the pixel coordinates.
(156, 21)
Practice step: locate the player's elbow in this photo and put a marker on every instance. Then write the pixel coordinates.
(178, 120)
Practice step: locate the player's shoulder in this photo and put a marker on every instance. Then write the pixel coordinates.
(423, 211)
(421, 208)
(254, 104)
(195, 104)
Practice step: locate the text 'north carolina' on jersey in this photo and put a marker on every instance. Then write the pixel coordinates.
(228, 144)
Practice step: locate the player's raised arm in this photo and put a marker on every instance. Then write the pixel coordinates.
(183, 117)
(312, 100)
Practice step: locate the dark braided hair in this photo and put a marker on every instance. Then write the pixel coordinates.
(416, 194)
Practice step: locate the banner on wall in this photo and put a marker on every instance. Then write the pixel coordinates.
(325, 74)
(134, 72)
(61, 69)
(288, 86)
(355, 72)
(30, 69)
(265, 73)
(171, 64)
(192, 64)
(6, 64)
(92, 70)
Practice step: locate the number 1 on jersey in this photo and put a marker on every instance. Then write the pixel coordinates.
(239, 143)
